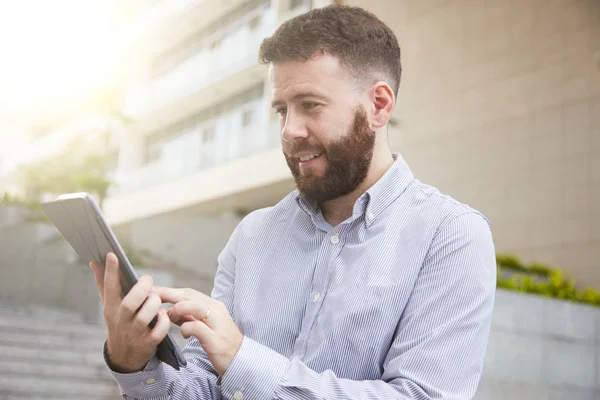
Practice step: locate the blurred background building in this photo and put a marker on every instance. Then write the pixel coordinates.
(499, 106)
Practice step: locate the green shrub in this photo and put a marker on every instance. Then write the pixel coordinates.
(34, 209)
(541, 279)
(510, 262)
(539, 268)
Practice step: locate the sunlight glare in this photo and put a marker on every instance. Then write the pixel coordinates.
(56, 50)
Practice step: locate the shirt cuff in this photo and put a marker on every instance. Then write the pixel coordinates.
(149, 382)
(254, 373)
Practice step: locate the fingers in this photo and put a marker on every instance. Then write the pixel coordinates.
(136, 296)
(98, 271)
(178, 319)
(170, 295)
(160, 330)
(148, 311)
(197, 329)
(112, 283)
(197, 310)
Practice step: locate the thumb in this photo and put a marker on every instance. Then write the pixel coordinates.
(98, 270)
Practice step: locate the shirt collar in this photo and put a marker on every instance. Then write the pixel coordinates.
(387, 189)
(377, 198)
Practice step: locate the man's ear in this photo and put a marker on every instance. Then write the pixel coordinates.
(383, 100)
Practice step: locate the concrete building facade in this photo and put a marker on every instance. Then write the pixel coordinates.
(499, 106)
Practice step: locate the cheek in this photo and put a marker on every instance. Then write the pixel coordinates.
(326, 131)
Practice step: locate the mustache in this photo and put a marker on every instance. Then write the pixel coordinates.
(296, 147)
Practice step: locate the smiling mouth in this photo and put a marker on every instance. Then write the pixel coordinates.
(309, 157)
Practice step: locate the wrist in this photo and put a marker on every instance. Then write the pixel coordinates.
(118, 365)
(221, 368)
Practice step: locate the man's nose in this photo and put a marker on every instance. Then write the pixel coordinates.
(293, 128)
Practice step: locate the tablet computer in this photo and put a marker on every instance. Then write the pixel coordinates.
(79, 219)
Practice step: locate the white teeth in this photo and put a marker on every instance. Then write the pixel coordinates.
(309, 157)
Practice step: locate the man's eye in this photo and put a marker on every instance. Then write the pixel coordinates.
(281, 111)
(309, 106)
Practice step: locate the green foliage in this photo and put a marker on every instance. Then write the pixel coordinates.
(513, 263)
(537, 278)
(80, 168)
(510, 262)
(36, 214)
(134, 256)
(77, 169)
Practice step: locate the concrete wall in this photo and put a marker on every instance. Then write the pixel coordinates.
(193, 243)
(35, 270)
(38, 267)
(499, 106)
(541, 348)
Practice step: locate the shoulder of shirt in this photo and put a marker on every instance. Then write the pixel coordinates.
(445, 207)
(259, 217)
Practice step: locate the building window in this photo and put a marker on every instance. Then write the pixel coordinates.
(208, 135)
(296, 3)
(216, 43)
(201, 39)
(153, 152)
(254, 22)
(112, 162)
(247, 118)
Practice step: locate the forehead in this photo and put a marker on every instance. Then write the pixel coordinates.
(322, 74)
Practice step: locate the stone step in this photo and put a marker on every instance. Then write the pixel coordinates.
(32, 387)
(19, 311)
(60, 341)
(58, 356)
(6, 395)
(45, 327)
(51, 370)
(64, 342)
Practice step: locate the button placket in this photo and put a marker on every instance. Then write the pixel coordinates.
(327, 253)
(238, 395)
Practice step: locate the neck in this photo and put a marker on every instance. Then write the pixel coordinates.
(338, 210)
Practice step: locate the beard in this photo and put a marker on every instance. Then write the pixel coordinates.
(347, 162)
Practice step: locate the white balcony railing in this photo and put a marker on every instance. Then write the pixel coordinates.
(237, 50)
(158, 14)
(186, 155)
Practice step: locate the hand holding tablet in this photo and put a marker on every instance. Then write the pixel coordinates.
(80, 220)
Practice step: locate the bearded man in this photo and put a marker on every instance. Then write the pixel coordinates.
(364, 283)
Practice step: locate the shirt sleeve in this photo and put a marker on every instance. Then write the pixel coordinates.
(199, 379)
(437, 352)
(158, 381)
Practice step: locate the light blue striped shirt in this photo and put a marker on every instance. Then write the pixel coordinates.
(393, 303)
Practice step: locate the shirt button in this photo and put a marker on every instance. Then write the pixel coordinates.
(370, 215)
(150, 381)
(295, 358)
(238, 395)
(315, 298)
(335, 239)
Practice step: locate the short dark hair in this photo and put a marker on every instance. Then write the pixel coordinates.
(364, 44)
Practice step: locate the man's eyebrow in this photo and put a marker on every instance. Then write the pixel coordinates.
(301, 96)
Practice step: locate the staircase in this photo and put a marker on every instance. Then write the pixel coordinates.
(51, 354)
(51, 335)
